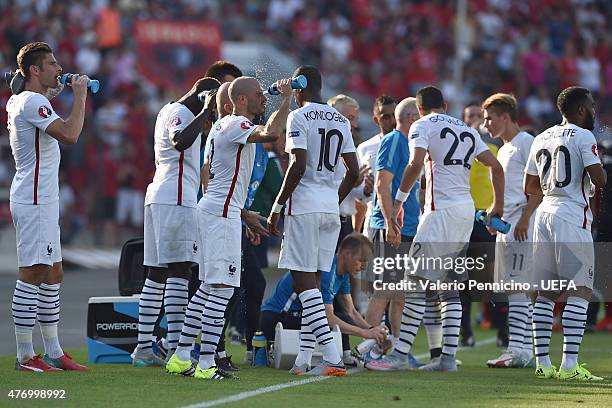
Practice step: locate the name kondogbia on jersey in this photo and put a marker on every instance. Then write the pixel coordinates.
(324, 115)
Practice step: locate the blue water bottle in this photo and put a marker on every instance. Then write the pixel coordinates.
(260, 359)
(92, 84)
(299, 82)
(496, 223)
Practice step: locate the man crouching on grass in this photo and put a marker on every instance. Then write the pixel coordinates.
(284, 306)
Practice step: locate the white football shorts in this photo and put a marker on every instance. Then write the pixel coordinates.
(220, 261)
(309, 242)
(514, 259)
(170, 235)
(562, 251)
(441, 240)
(38, 233)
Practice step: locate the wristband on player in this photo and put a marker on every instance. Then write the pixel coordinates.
(277, 208)
(401, 196)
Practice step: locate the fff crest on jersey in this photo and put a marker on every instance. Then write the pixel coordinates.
(176, 121)
(44, 112)
(594, 150)
(246, 125)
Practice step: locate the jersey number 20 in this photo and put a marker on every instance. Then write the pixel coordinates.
(554, 158)
(324, 151)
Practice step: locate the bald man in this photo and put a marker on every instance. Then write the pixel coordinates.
(392, 156)
(253, 281)
(224, 103)
(232, 153)
(193, 316)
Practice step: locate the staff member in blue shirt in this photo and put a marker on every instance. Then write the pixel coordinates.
(392, 157)
(352, 257)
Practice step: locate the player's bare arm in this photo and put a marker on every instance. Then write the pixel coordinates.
(184, 138)
(363, 170)
(598, 175)
(368, 183)
(68, 131)
(411, 173)
(295, 172)
(351, 176)
(346, 301)
(422, 193)
(522, 226)
(383, 192)
(204, 175)
(273, 129)
(531, 185)
(497, 181)
(376, 333)
(253, 220)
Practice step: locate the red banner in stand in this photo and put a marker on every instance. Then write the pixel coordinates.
(176, 53)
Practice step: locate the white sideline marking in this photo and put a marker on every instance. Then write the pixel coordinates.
(277, 387)
(263, 390)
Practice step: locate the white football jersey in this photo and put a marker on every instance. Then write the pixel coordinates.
(367, 151)
(513, 157)
(559, 157)
(231, 164)
(37, 154)
(451, 148)
(325, 135)
(177, 174)
(366, 154)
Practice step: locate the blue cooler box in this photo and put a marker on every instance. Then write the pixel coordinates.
(112, 328)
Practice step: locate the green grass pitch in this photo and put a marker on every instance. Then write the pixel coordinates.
(474, 385)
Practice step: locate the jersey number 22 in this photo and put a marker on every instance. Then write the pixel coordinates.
(448, 159)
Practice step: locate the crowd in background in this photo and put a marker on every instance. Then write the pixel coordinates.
(532, 48)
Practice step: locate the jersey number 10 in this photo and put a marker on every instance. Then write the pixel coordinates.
(324, 151)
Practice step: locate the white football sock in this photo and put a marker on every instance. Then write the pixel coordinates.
(176, 297)
(542, 330)
(24, 317)
(314, 312)
(518, 314)
(307, 345)
(528, 337)
(414, 309)
(192, 324)
(149, 306)
(451, 324)
(574, 320)
(213, 320)
(48, 315)
(432, 320)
